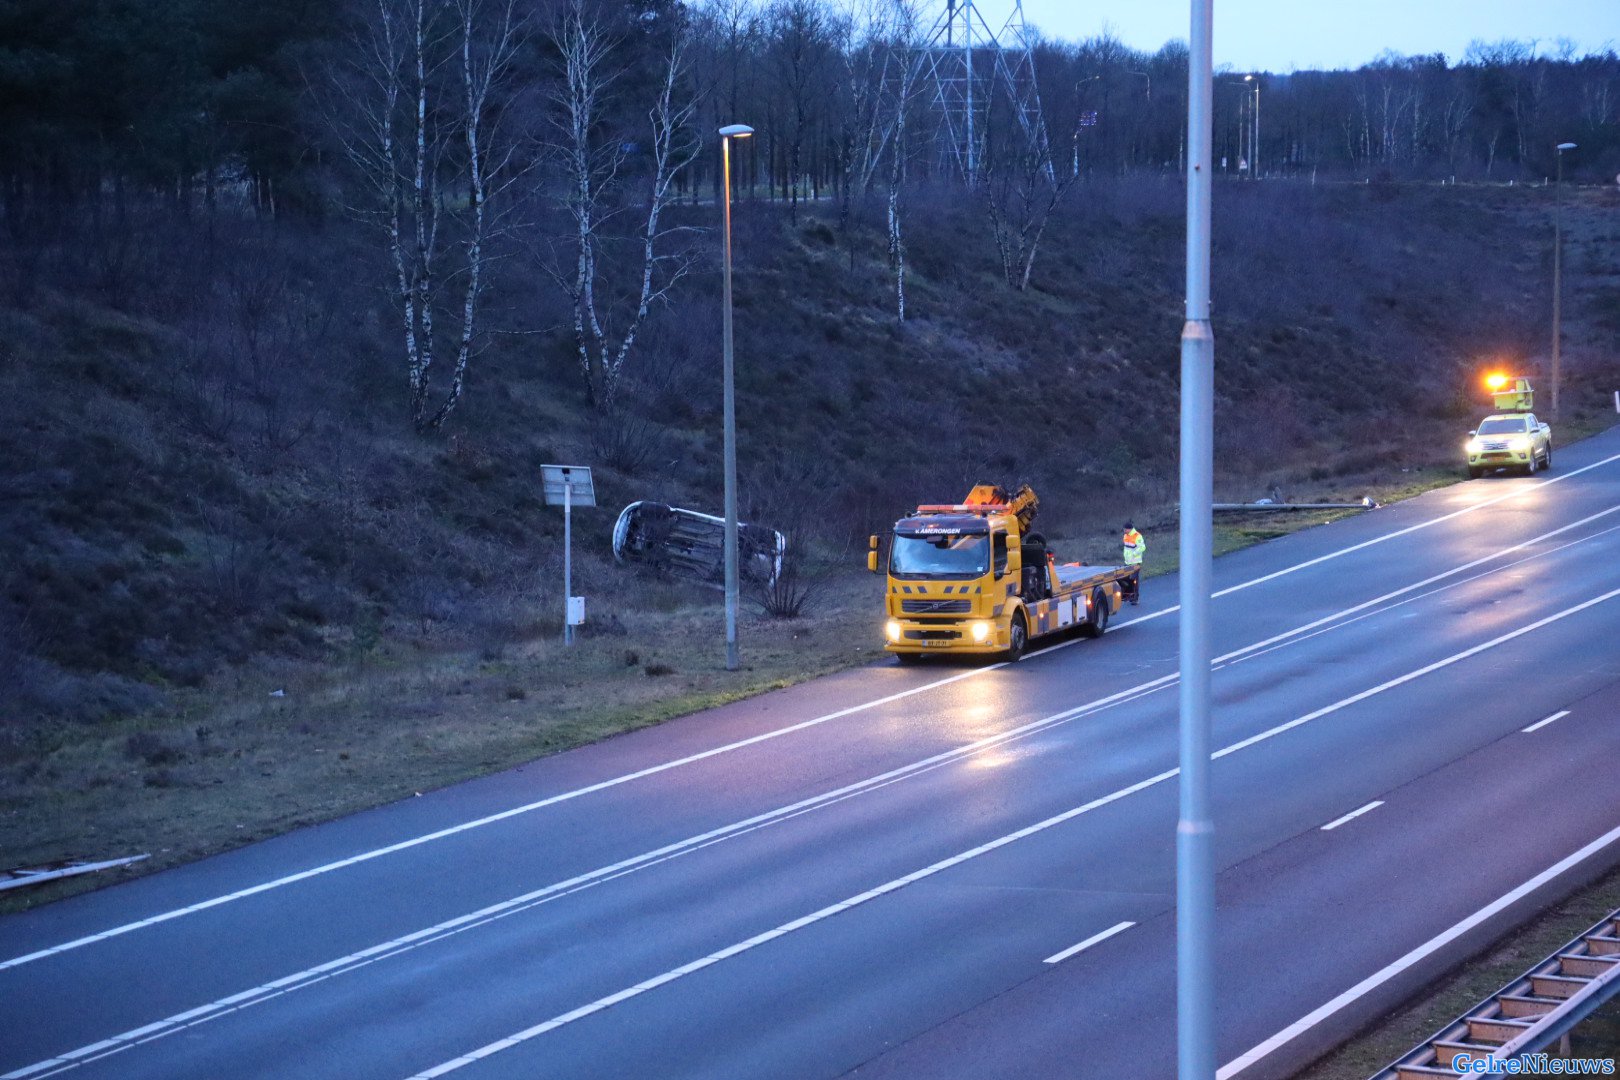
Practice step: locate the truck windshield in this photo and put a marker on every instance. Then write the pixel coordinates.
(1504, 425)
(940, 555)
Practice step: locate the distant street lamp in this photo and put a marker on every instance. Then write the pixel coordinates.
(1254, 139)
(1558, 258)
(727, 133)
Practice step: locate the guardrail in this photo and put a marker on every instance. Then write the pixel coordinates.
(1528, 1014)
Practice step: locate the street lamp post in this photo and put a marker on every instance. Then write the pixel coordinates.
(1558, 283)
(727, 133)
(1254, 136)
(1195, 829)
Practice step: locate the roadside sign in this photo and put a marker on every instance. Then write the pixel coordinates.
(556, 480)
(568, 486)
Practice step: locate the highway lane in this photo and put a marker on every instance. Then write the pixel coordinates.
(319, 919)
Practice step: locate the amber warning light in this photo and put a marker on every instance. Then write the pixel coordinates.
(1496, 381)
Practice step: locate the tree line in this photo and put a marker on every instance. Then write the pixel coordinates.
(569, 135)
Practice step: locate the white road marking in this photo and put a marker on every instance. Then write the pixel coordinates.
(1419, 673)
(973, 853)
(1428, 948)
(1543, 723)
(1117, 928)
(353, 961)
(516, 811)
(1352, 815)
(1521, 490)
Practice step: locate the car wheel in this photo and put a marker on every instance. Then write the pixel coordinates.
(1546, 459)
(1096, 623)
(1017, 638)
(1475, 473)
(1530, 466)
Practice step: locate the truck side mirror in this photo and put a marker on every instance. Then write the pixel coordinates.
(1471, 434)
(871, 554)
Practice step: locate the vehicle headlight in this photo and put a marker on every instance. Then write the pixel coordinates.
(980, 630)
(892, 629)
(1474, 446)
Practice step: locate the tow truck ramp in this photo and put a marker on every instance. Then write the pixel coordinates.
(1530, 1013)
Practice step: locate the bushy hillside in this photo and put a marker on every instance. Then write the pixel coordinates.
(208, 464)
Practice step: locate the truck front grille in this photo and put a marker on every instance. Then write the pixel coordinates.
(936, 607)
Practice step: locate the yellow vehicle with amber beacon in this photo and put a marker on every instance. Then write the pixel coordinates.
(1512, 437)
(971, 578)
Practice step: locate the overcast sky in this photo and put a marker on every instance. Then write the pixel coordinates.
(1282, 35)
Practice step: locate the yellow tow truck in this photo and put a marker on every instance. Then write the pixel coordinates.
(971, 578)
(1512, 437)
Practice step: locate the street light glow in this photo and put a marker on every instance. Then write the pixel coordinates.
(736, 131)
(1565, 146)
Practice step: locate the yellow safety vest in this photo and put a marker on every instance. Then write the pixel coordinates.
(1135, 548)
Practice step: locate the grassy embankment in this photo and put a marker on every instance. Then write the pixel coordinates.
(192, 527)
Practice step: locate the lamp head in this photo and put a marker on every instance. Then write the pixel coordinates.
(736, 131)
(1565, 146)
(1248, 78)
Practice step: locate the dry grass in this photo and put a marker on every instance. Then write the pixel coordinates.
(236, 764)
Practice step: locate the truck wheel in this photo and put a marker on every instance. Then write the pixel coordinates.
(1475, 473)
(1546, 459)
(908, 657)
(1097, 618)
(1017, 638)
(1530, 466)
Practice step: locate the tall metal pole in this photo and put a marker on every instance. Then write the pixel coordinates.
(1558, 290)
(1254, 148)
(730, 437)
(568, 563)
(1195, 832)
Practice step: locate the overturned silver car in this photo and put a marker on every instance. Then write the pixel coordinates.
(690, 544)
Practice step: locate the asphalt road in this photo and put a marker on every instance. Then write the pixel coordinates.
(886, 873)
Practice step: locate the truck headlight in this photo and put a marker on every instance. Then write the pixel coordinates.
(1473, 446)
(980, 630)
(892, 629)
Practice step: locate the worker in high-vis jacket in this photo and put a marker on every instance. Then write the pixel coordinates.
(1135, 550)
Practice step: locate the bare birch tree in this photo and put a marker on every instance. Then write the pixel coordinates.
(904, 78)
(593, 163)
(421, 122)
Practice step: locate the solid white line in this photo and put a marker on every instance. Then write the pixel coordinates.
(203, 1013)
(1516, 493)
(1352, 815)
(1117, 928)
(1434, 944)
(490, 819)
(653, 770)
(1543, 723)
(1419, 673)
(973, 853)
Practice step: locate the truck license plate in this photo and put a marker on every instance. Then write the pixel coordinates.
(936, 643)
